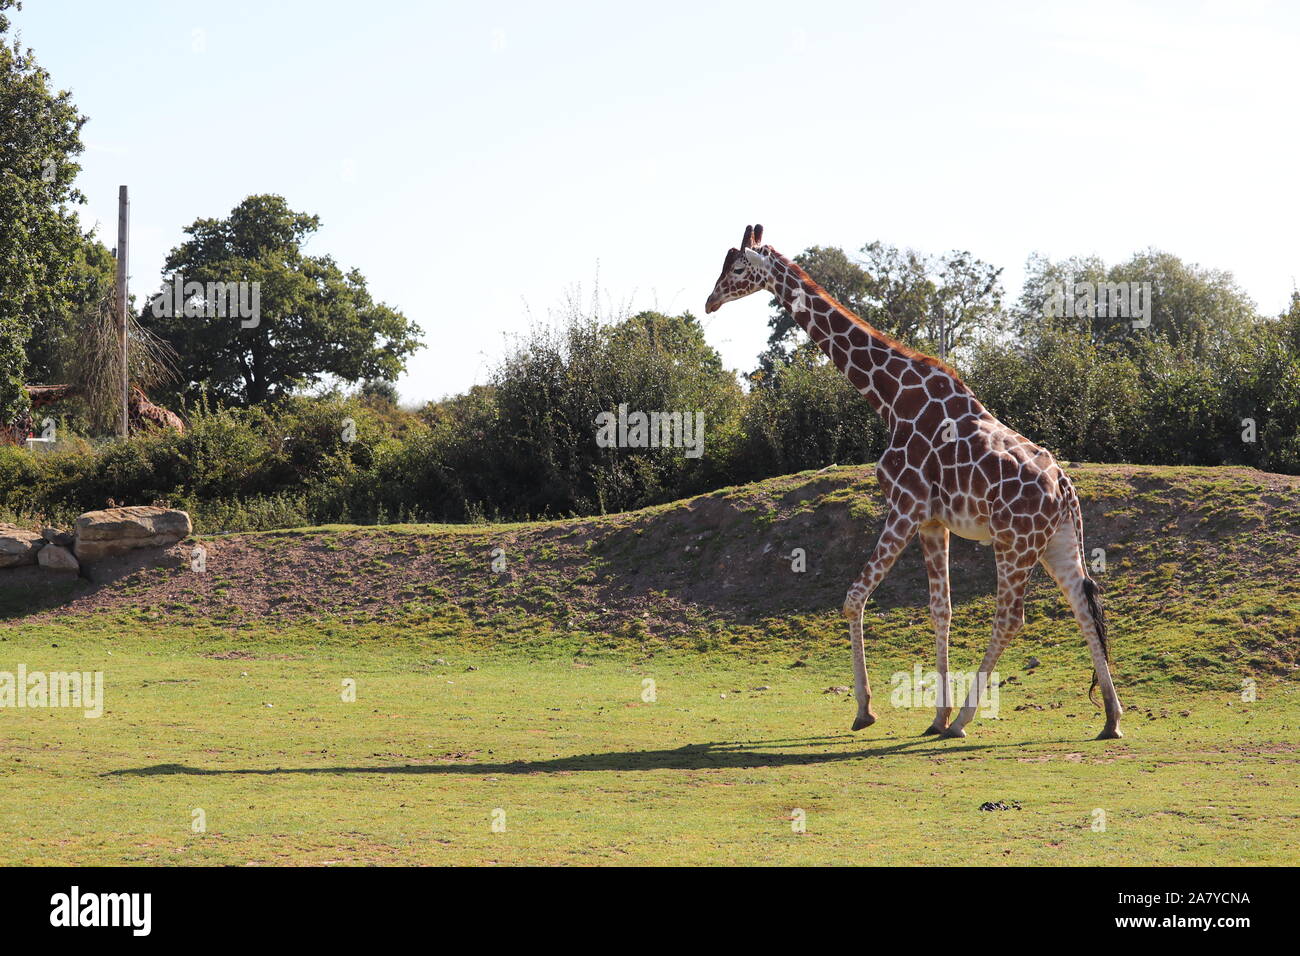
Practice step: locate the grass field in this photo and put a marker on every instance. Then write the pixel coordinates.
(471, 711)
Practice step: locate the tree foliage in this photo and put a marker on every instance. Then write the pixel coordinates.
(1194, 308)
(315, 318)
(55, 331)
(528, 441)
(916, 298)
(523, 445)
(40, 133)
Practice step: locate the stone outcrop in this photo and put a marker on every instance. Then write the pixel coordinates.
(18, 546)
(55, 557)
(55, 536)
(115, 531)
(99, 534)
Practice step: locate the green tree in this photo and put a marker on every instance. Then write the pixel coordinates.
(1079, 399)
(55, 331)
(846, 281)
(314, 318)
(528, 442)
(379, 391)
(915, 298)
(1259, 373)
(809, 416)
(39, 236)
(551, 388)
(965, 305)
(1191, 306)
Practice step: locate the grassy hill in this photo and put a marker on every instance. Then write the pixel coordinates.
(1201, 579)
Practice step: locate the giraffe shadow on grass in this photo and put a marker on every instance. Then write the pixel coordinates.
(737, 755)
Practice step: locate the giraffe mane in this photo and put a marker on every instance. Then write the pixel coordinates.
(887, 340)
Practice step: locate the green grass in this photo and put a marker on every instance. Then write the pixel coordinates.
(586, 771)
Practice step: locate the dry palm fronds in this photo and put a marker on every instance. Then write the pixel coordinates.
(95, 363)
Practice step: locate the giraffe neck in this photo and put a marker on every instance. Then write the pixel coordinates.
(873, 362)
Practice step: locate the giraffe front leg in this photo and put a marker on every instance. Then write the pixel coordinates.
(934, 543)
(1013, 576)
(899, 529)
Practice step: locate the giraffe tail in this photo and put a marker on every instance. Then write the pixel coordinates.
(1092, 595)
(1091, 590)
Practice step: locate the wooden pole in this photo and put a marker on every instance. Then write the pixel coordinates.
(123, 228)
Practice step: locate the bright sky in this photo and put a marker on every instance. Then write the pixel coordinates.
(475, 161)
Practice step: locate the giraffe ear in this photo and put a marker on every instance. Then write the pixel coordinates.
(758, 235)
(748, 241)
(755, 258)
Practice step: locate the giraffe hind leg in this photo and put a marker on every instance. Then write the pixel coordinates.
(1013, 569)
(1061, 559)
(934, 544)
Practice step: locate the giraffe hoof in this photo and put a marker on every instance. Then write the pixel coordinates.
(952, 732)
(1110, 733)
(933, 729)
(866, 721)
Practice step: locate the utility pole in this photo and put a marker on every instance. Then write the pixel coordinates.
(123, 228)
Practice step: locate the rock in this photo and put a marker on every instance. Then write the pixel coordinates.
(1033, 662)
(18, 546)
(115, 531)
(55, 557)
(65, 539)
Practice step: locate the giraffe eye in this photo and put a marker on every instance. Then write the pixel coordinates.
(738, 270)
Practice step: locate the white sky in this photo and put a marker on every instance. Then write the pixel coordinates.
(476, 160)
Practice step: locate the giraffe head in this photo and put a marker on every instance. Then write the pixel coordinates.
(744, 271)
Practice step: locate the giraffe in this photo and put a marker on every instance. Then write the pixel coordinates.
(38, 396)
(142, 414)
(950, 467)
